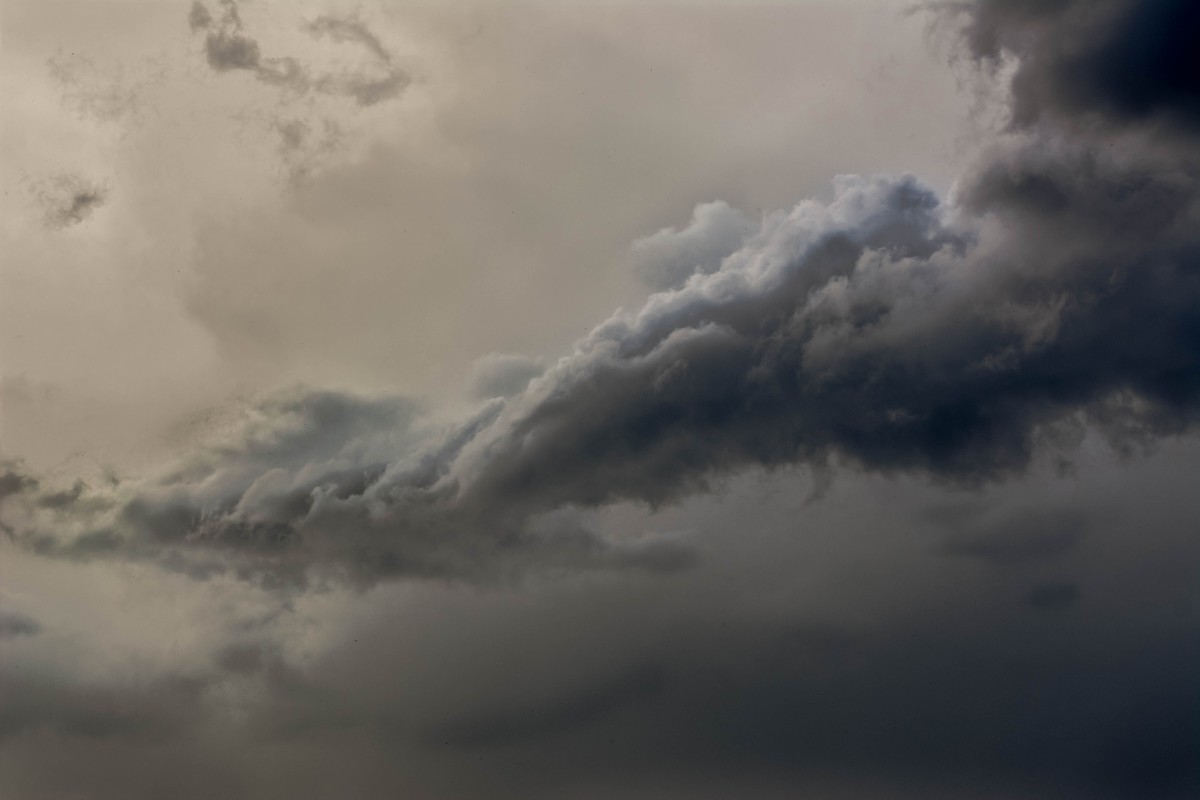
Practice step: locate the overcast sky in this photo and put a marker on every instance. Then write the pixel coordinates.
(600, 400)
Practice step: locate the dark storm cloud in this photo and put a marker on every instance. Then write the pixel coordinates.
(1114, 61)
(887, 329)
(913, 678)
(933, 687)
(228, 47)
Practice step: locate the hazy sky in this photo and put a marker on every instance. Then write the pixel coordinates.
(599, 400)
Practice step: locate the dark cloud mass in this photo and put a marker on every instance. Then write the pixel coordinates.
(1108, 62)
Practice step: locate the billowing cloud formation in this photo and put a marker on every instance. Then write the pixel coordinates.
(665, 260)
(227, 47)
(889, 328)
(1111, 61)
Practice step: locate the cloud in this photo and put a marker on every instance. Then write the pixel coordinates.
(1023, 538)
(1115, 62)
(41, 705)
(354, 487)
(67, 200)
(94, 91)
(559, 715)
(822, 650)
(349, 30)
(228, 48)
(503, 375)
(15, 481)
(888, 329)
(666, 259)
(1053, 596)
(13, 625)
(839, 654)
(304, 146)
(199, 17)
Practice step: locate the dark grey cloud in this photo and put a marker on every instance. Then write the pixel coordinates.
(905, 676)
(228, 47)
(1108, 61)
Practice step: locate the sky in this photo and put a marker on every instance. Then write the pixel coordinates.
(597, 399)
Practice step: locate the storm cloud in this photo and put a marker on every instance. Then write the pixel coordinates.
(889, 329)
(889, 493)
(1111, 62)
